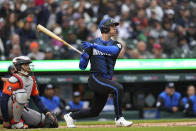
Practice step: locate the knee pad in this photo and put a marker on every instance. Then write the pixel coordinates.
(21, 96)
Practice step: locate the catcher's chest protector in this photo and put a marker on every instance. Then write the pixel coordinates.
(26, 83)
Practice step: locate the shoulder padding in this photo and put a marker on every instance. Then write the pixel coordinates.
(118, 44)
(13, 79)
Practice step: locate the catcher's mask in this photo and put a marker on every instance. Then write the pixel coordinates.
(105, 24)
(21, 65)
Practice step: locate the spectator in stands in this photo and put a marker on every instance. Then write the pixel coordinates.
(169, 15)
(58, 31)
(169, 100)
(35, 54)
(31, 8)
(53, 103)
(52, 19)
(171, 38)
(141, 17)
(183, 51)
(48, 54)
(27, 34)
(15, 52)
(2, 50)
(94, 32)
(137, 27)
(161, 41)
(82, 31)
(191, 35)
(14, 40)
(154, 7)
(185, 19)
(170, 19)
(141, 47)
(124, 29)
(140, 4)
(157, 30)
(5, 9)
(72, 38)
(84, 7)
(98, 9)
(150, 44)
(42, 14)
(134, 54)
(17, 9)
(76, 104)
(158, 52)
(9, 28)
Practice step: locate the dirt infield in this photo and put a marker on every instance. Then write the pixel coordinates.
(150, 124)
(164, 124)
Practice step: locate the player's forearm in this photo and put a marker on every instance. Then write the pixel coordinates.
(40, 104)
(163, 108)
(4, 107)
(84, 61)
(107, 49)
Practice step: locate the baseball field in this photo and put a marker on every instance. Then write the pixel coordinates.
(139, 125)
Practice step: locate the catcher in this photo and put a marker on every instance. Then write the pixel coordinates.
(17, 91)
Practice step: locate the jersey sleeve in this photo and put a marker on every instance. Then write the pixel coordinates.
(119, 45)
(34, 91)
(9, 87)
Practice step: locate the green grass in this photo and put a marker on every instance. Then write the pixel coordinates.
(177, 128)
(134, 121)
(118, 129)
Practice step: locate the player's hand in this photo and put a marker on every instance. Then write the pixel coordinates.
(174, 109)
(50, 120)
(86, 45)
(6, 125)
(85, 55)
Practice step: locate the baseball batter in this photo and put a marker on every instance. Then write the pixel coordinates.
(17, 91)
(102, 53)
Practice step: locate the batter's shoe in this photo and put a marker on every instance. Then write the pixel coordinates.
(69, 120)
(122, 122)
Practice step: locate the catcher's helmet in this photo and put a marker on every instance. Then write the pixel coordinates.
(19, 61)
(105, 24)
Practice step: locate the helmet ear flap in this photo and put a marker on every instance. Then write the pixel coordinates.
(17, 67)
(105, 29)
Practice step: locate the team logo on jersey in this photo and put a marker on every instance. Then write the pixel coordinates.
(9, 88)
(97, 52)
(119, 46)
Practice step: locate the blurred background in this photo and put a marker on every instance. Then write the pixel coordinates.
(149, 30)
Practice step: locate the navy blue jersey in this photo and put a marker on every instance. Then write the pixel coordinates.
(103, 63)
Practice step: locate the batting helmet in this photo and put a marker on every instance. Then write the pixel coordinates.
(11, 69)
(105, 24)
(19, 61)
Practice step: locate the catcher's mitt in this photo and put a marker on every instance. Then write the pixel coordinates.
(50, 121)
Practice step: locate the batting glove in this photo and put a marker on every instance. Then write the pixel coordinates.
(86, 45)
(85, 55)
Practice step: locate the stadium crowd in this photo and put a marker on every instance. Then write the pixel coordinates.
(148, 28)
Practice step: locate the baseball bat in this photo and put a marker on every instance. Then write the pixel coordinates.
(53, 35)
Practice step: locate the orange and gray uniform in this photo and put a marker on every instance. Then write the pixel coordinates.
(17, 92)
